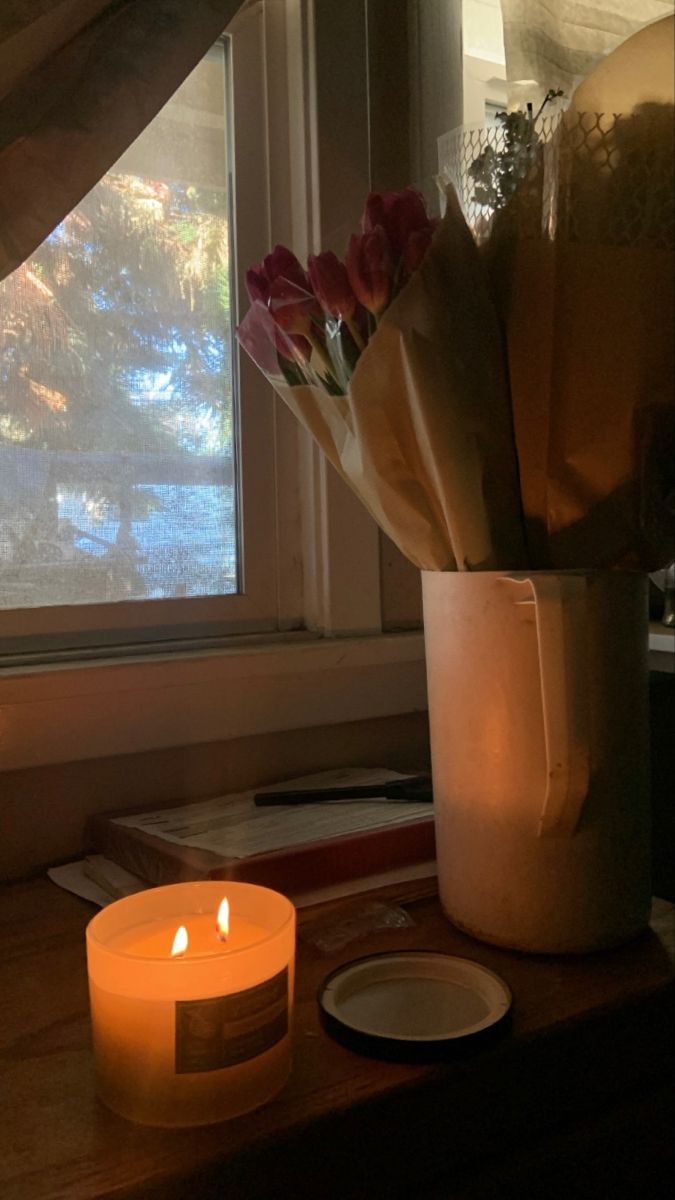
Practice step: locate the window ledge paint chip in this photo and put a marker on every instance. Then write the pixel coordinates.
(72, 713)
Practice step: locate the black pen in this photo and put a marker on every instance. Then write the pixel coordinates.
(417, 788)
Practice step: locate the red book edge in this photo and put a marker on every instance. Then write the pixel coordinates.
(298, 868)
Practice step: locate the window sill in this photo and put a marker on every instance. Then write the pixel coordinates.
(84, 710)
(75, 711)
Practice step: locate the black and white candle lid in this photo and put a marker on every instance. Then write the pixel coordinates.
(412, 1005)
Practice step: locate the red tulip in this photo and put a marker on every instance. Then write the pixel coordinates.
(256, 333)
(260, 335)
(291, 345)
(329, 279)
(369, 269)
(280, 264)
(257, 285)
(292, 307)
(399, 214)
(415, 248)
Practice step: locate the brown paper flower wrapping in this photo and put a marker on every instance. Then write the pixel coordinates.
(583, 276)
(424, 434)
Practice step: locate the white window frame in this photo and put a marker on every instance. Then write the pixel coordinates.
(341, 667)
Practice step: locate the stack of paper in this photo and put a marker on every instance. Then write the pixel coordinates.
(231, 838)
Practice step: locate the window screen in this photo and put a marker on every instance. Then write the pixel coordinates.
(117, 465)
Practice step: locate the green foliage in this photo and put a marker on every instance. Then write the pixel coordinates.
(497, 173)
(222, 286)
(114, 341)
(133, 285)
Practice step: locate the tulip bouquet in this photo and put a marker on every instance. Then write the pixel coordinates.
(392, 359)
(319, 320)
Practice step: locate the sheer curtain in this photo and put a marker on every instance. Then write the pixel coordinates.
(556, 43)
(79, 80)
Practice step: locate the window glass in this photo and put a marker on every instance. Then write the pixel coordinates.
(117, 406)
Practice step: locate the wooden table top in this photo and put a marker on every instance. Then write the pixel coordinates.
(345, 1125)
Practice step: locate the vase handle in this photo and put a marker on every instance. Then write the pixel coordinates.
(559, 605)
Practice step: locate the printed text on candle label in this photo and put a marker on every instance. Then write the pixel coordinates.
(225, 1030)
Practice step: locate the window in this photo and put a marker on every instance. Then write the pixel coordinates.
(125, 513)
(484, 68)
(492, 110)
(117, 476)
(309, 557)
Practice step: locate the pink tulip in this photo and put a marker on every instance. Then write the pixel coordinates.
(369, 269)
(329, 279)
(399, 214)
(415, 248)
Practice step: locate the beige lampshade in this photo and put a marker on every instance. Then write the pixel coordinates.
(641, 70)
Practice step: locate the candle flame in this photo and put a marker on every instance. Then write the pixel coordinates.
(180, 942)
(223, 919)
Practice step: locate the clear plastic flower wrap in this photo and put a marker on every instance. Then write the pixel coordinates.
(407, 396)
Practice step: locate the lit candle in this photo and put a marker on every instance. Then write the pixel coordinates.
(191, 1001)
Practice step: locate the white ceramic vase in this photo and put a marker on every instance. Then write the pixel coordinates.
(539, 739)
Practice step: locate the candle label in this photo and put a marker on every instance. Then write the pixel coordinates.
(225, 1030)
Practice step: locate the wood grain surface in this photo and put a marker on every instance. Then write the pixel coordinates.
(590, 1037)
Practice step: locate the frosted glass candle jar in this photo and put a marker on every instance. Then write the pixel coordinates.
(201, 1036)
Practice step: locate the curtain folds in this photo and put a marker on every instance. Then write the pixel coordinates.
(79, 80)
